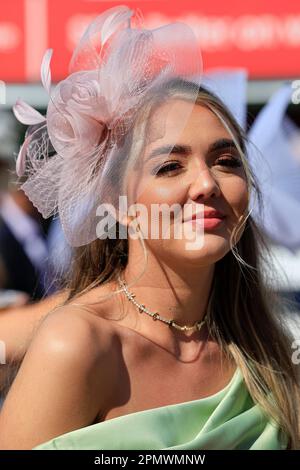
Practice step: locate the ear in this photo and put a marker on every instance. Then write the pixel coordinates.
(127, 221)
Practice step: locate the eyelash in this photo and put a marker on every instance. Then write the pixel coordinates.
(231, 162)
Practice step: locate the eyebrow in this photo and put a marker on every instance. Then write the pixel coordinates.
(219, 144)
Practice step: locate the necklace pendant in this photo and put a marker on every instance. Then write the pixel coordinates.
(155, 316)
(141, 308)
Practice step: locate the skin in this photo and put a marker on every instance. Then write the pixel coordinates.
(22, 320)
(17, 325)
(178, 279)
(94, 364)
(24, 203)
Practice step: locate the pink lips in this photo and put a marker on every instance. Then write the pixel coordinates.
(208, 219)
(210, 222)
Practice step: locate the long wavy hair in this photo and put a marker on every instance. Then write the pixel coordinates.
(246, 316)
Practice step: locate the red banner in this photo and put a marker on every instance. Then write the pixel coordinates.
(262, 36)
(12, 57)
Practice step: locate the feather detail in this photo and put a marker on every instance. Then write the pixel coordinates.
(26, 114)
(112, 23)
(46, 71)
(21, 158)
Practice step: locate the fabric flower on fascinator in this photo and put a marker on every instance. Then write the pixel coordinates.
(69, 156)
(78, 114)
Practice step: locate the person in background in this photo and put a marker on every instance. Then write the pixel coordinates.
(23, 247)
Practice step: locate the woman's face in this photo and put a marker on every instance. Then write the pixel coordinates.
(189, 160)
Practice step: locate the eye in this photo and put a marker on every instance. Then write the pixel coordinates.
(229, 161)
(167, 169)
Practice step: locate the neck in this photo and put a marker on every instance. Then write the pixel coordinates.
(178, 294)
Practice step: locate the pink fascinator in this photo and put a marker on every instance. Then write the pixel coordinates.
(73, 158)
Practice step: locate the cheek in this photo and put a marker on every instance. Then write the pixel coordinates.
(158, 193)
(236, 195)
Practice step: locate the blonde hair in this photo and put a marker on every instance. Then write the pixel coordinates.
(245, 316)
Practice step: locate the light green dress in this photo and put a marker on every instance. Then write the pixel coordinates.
(226, 420)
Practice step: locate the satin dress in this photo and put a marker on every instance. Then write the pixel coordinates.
(229, 419)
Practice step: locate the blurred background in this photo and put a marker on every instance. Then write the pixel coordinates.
(251, 58)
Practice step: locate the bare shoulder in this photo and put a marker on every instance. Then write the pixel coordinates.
(63, 382)
(80, 342)
(81, 332)
(74, 331)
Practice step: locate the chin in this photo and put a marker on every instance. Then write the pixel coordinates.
(214, 248)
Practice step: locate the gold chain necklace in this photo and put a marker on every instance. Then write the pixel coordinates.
(155, 315)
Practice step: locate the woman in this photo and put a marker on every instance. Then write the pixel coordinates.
(181, 352)
(17, 325)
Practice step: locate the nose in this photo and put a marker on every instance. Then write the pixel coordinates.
(204, 185)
